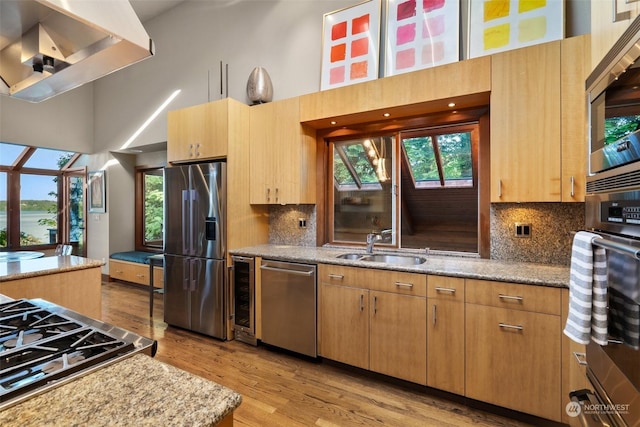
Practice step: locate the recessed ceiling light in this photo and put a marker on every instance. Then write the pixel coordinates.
(386, 114)
(333, 122)
(452, 104)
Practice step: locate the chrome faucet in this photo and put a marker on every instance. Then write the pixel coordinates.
(372, 238)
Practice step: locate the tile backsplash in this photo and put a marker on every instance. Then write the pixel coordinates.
(550, 241)
(284, 225)
(551, 227)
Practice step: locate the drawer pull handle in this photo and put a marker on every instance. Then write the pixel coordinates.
(361, 302)
(336, 276)
(507, 326)
(405, 285)
(434, 314)
(581, 358)
(447, 290)
(510, 297)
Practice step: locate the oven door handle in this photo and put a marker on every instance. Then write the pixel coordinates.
(617, 247)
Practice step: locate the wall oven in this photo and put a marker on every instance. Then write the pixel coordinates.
(612, 210)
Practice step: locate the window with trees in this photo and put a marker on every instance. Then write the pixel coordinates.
(41, 198)
(149, 209)
(420, 183)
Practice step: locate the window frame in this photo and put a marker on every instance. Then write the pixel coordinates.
(14, 173)
(140, 244)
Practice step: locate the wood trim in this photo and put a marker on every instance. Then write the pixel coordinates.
(484, 187)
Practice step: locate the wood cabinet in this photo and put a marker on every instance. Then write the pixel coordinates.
(405, 95)
(374, 320)
(77, 290)
(202, 131)
(604, 31)
(445, 333)
(135, 273)
(282, 157)
(513, 347)
(574, 70)
(539, 122)
(525, 124)
(574, 368)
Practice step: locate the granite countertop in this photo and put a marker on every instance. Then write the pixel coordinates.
(443, 265)
(15, 270)
(136, 391)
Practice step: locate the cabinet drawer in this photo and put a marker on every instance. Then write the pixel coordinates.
(397, 282)
(445, 288)
(342, 275)
(129, 271)
(515, 296)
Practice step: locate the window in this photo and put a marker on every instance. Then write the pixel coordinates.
(149, 209)
(439, 159)
(362, 182)
(41, 198)
(427, 194)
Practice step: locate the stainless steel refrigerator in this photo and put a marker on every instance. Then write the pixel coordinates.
(194, 247)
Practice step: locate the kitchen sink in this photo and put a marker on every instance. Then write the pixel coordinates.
(350, 256)
(385, 258)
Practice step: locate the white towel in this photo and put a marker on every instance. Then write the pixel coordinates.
(587, 291)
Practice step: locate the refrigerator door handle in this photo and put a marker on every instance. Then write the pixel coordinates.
(192, 275)
(185, 223)
(185, 279)
(193, 208)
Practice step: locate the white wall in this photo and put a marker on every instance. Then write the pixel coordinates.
(62, 122)
(282, 36)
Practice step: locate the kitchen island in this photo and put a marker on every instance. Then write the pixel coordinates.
(70, 281)
(136, 391)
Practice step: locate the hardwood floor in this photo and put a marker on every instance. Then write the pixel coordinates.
(280, 389)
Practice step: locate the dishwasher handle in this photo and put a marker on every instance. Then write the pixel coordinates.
(287, 271)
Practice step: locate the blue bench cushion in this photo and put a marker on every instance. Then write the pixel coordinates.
(132, 256)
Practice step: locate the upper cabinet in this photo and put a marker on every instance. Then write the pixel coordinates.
(203, 131)
(538, 122)
(283, 155)
(574, 70)
(525, 124)
(605, 31)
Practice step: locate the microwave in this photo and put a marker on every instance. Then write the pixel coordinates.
(613, 96)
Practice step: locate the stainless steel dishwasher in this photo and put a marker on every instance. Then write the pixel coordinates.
(288, 301)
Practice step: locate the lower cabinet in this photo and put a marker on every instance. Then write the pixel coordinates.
(344, 327)
(445, 334)
(513, 356)
(374, 320)
(397, 336)
(495, 342)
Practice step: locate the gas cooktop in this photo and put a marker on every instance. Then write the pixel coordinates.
(43, 345)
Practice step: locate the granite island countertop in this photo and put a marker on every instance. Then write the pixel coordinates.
(24, 269)
(136, 391)
(442, 265)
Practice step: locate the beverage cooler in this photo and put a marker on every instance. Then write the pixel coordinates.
(243, 288)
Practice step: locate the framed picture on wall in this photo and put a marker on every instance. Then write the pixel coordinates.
(350, 45)
(97, 192)
(421, 34)
(496, 26)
